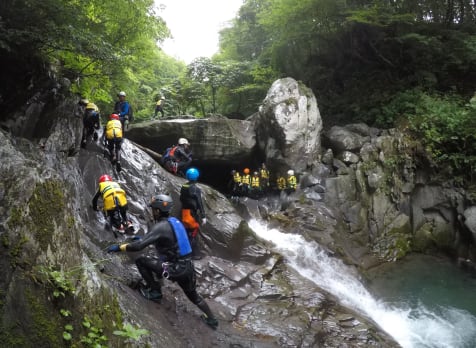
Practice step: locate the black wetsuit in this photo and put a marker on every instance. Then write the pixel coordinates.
(179, 269)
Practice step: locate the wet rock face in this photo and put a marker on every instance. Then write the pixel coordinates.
(248, 286)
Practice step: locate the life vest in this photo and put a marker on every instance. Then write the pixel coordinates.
(264, 173)
(169, 154)
(181, 235)
(113, 130)
(292, 182)
(113, 195)
(246, 179)
(237, 178)
(281, 182)
(255, 181)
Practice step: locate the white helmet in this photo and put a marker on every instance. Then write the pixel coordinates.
(122, 94)
(183, 141)
(290, 172)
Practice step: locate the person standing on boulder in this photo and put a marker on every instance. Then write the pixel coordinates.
(121, 108)
(173, 260)
(159, 107)
(192, 208)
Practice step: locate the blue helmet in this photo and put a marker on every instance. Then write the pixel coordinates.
(192, 174)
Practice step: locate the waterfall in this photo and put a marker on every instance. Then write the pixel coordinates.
(411, 325)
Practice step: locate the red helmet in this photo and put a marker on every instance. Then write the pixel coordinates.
(246, 170)
(114, 117)
(104, 178)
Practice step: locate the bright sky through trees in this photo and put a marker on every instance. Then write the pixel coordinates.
(195, 25)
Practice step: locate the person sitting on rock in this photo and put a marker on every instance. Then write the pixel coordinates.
(114, 203)
(172, 261)
(179, 158)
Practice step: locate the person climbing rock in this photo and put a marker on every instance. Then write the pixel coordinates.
(91, 122)
(173, 260)
(193, 210)
(114, 203)
(113, 140)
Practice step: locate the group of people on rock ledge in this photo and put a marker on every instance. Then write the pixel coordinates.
(258, 184)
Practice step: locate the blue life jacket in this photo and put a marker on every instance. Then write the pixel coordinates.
(181, 235)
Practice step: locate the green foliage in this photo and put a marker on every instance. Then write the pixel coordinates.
(60, 281)
(130, 332)
(95, 337)
(445, 124)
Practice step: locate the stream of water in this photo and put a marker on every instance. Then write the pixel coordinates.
(414, 318)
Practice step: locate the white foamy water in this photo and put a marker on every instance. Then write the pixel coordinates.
(412, 326)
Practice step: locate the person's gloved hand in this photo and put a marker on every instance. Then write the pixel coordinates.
(113, 248)
(204, 221)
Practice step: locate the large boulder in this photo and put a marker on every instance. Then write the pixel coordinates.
(216, 139)
(288, 126)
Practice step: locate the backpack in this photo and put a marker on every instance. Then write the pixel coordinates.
(169, 154)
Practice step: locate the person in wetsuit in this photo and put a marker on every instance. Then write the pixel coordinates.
(193, 212)
(173, 260)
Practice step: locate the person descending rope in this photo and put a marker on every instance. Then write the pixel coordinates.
(178, 158)
(192, 208)
(113, 140)
(114, 204)
(173, 260)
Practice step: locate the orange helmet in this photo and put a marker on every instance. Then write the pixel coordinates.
(104, 178)
(246, 170)
(114, 117)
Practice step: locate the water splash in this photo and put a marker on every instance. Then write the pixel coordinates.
(412, 326)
